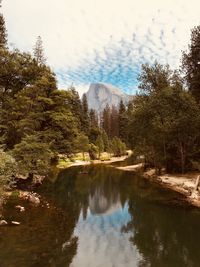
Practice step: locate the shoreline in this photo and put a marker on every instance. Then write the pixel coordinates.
(97, 161)
(180, 183)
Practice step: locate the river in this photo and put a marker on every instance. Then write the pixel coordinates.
(98, 216)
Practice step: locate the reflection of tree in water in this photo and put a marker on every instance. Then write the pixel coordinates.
(164, 242)
(45, 236)
(101, 189)
(104, 198)
(164, 236)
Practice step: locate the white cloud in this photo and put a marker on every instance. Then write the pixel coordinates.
(77, 32)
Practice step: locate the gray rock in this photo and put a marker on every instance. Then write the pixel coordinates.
(101, 94)
(3, 222)
(20, 208)
(34, 199)
(15, 223)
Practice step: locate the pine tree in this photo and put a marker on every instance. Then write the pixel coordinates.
(85, 115)
(114, 122)
(3, 34)
(191, 63)
(38, 51)
(100, 145)
(105, 120)
(93, 118)
(123, 123)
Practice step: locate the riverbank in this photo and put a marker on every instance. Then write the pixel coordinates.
(182, 183)
(25, 189)
(105, 159)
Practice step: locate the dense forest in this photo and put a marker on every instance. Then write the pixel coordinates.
(39, 122)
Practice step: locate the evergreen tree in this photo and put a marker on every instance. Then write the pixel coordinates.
(3, 34)
(154, 78)
(82, 143)
(74, 102)
(85, 115)
(8, 169)
(118, 147)
(123, 122)
(100, 145)
(33, 156)
(94, 130)
(105, 120)
(39, 51)
(105, 141)
(93, 118)
(114, 122)
(165, 126)
(191, 63)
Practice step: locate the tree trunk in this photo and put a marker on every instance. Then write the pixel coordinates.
(165, 153)
(182, 153)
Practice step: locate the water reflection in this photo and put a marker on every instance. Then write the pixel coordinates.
(104, 218)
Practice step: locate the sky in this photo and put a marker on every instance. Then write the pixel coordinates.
(88, 41)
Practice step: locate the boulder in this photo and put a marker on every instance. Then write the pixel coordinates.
(15, 223)
(20, 208)
(3, 222)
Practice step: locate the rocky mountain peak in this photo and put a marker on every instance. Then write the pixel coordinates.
(101, 94)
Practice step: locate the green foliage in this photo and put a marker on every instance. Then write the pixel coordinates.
(8, 169)
(3, 34)
(74, 104)
(191, 63)
(100, 145)
(39, 51)
(154, 78)
(32, 156)
(106, 142)
(94, 130)
(82, 144)
(118, 147)
(93, 151)
(60, 126)
(85, 123)
(123, 122)
(105, 120)
(93, 118)
(165, 122)
(114, 122)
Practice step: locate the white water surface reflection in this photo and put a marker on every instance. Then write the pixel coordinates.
(102, 243)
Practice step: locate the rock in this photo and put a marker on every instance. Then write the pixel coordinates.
(20, 208)
(101, 94)
(31, 197)
(3, 222)
(195, 195)
(15, 223)
(34, 199)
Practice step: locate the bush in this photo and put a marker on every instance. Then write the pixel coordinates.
(93, 151)
(118, 147)
(8, 168)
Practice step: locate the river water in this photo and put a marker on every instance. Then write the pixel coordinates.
(98, 216)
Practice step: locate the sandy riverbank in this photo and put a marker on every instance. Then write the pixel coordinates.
(183, 184)
(131, 168)
(83, 163)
